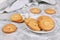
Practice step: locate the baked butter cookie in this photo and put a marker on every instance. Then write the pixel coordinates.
(46, 23)
(9, 28)
(35, 10)
(27, 20)
(32, 24)
(16, 18)
(50, 11)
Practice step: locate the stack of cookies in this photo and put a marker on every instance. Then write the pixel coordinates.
(41, 23)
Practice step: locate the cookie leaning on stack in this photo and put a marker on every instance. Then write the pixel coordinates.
(46, 23)
(32, 24)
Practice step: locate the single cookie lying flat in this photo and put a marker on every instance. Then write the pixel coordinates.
(35, 10)
(16, 18)
(9, 28)
(50, 11)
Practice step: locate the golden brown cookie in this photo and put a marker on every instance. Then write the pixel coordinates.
(21, 21)
(9, 28)
(27, 20)
(50, 11)
(32, 24)
(46, 23)
(35, 10)
(16, 18)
